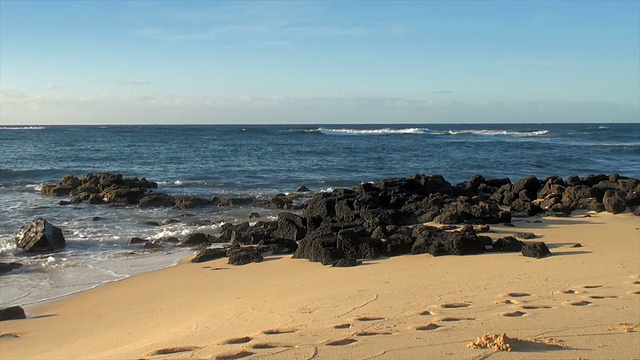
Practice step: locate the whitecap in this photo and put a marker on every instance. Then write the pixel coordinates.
(496, 132)
(383, 131)
(22, 127)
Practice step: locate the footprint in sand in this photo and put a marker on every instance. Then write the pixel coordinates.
(233, 356)
(514, 314)
(278, 331)
(455, 305)
(372, 333)
(602, 297)
(240, 340)
(535, 307)
(637, 292)
(515, 294)
(450, 319)
(341, 342)
(4, 336)
(342, 326)
(569, 291)
(173, 350)
(427, 327)
(592, 286)
(369, 318)
(580, 303)
(426, 313)
(262, 346)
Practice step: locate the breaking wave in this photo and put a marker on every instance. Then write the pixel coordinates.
(496, 132)
(383, 131)
(22, 128)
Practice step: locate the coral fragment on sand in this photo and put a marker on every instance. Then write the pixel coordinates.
(497, 342)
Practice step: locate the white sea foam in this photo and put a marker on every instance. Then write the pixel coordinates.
(383, 131)
(22, 127)
(495, 132)
(35, 187)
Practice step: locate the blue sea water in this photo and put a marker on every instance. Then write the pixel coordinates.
(250, 160)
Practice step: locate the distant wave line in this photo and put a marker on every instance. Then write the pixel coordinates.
(420, 131)
(22, 127)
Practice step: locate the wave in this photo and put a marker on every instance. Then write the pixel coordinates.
(383, 131)
(494, 132)
(22, 127)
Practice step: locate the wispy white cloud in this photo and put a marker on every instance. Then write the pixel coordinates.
(51, 86)
(23, 108)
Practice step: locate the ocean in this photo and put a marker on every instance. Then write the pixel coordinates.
(226, 161)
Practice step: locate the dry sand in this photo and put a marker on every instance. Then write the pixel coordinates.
(579, 303)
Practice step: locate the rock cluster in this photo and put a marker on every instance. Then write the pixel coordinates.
(106, 188)
(382, 219)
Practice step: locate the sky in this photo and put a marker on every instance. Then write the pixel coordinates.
(244, 62)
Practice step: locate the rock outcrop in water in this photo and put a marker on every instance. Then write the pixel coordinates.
(40, 236)
(106, 188)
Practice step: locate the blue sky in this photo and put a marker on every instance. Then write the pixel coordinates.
(319, 62)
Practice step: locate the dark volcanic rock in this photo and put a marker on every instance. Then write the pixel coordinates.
(197, 239)
(525, 207)
(137, 240)
(12, 313)
(155, 199)
(303, 189)
(614, 201)
(464, 211)
(209, 254)
(243, 255)
(320, 205)
(508, 244)
(277, 246)
(319, 247)
(56, 190)
(536, 250)
(399, 242)
(437, 242)
(347, 262)
(530, 185)
(7, 267)
(579, 196)
(352, 245)
(190, 202)
(593, 179)
(124, 196)
(290, 226)
(40, 236)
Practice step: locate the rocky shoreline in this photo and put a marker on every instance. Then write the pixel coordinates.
(387, 218)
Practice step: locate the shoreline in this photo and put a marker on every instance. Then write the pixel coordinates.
(397, 307)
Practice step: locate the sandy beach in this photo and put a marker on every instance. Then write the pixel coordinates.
(582, 302)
